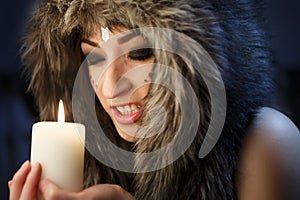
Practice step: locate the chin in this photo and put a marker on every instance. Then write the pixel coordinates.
(128, 136)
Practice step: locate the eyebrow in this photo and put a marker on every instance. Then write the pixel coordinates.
(128, 37)
(94, 44)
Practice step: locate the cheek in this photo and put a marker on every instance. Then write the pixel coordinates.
(146, 89)
(143, 88)
(142, 92)
(95, 73)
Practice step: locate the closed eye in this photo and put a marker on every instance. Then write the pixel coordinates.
(141, 54)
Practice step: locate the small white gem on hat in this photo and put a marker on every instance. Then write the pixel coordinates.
(105, 34)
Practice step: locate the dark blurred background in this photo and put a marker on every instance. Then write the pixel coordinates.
(17, 108)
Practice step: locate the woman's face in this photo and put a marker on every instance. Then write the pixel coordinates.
(119, 65)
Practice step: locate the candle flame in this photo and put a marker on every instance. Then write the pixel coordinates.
(61, 112)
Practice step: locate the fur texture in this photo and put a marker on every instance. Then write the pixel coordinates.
(229, 30)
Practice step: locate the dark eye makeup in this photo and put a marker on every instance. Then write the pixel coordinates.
(138, 55)
(141, 54)
(94, 58)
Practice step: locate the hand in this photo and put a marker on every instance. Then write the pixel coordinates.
(51, 191)
(24, 184)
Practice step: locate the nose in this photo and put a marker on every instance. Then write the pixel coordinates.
(114, 83)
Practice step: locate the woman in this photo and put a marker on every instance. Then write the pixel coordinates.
(145, 62)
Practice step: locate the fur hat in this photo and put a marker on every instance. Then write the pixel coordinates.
(230, 31)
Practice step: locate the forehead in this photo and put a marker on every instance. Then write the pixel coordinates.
(116, 36)
(97, 34)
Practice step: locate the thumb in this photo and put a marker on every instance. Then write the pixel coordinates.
(50, 191)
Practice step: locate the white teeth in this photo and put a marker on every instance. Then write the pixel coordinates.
(127, 110)
(133, 107)
(121, 109)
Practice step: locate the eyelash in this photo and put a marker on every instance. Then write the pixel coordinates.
(138, 55)
(141, 54)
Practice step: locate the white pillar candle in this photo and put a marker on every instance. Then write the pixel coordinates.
(59, 148)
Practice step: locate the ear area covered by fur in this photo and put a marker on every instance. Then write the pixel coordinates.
(46, 53)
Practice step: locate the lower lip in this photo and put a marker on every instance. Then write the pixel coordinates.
(126, 119)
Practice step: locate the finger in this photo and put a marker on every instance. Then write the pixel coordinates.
(50, 190)
(31, 184)
(19, 180)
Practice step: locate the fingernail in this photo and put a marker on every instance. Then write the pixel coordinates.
(9, 183)
(25, 163)
(35, 166)
(24, 166)
(24, 169)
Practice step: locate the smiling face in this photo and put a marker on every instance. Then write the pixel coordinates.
(119, 64)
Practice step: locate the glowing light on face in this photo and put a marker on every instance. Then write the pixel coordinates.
(118, 69)
(119, 82)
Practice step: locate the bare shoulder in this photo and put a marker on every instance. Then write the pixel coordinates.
(270, 158)
(276, 123)
(276, 130)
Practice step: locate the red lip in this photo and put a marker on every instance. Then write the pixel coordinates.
(126, 119)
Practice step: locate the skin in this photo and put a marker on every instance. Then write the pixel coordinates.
(269, 159)
(119, 77)
(266, 158)
(26, 183)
